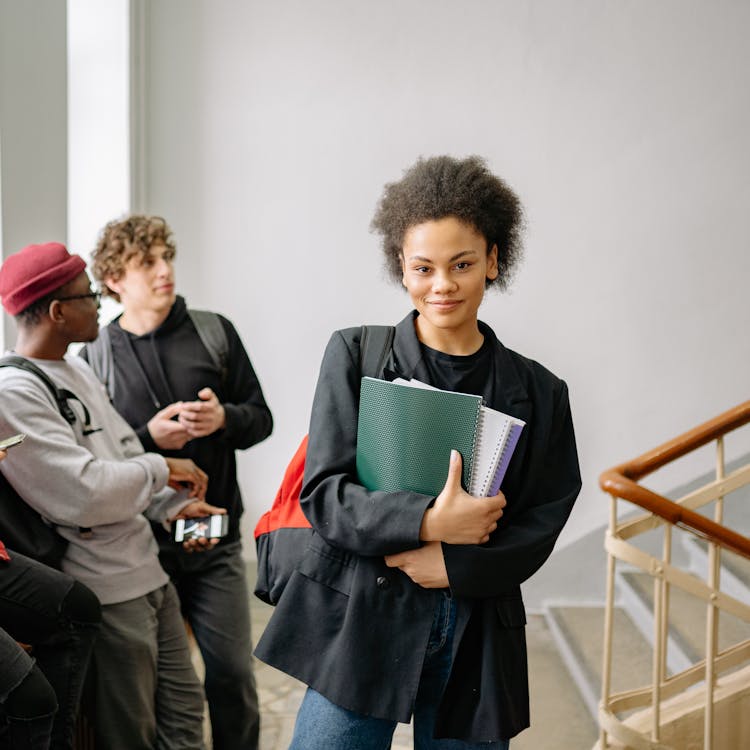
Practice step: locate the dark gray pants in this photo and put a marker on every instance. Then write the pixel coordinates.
(145, 692)
(213, 591)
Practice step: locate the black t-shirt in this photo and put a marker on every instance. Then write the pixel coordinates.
(472, 373)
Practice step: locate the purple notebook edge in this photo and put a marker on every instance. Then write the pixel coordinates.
(502, 467)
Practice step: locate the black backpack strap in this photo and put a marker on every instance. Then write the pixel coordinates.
(375, 346)
(99, 355)
(61, 395)
(211, 331)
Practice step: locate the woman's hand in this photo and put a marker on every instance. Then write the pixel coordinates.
(425, 566)
(457, 517)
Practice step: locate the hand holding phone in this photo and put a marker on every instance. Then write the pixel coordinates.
(9, 442)
(204, 527)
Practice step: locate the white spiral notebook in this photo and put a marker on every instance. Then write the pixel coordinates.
(496, 439)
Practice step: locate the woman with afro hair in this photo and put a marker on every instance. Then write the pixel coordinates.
(407, 606)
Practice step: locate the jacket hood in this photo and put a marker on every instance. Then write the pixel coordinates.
(176, 317)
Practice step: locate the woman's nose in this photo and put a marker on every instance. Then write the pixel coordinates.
(442, 282)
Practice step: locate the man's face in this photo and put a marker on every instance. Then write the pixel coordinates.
(148, 281)
(80, 308)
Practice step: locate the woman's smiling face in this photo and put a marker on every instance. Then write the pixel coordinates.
(445, 264)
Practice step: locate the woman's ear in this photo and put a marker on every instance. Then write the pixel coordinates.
(492, 269)
(403, 269)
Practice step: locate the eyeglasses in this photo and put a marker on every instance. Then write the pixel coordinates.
(96, 296)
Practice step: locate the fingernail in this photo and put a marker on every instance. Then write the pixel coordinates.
(454, 455)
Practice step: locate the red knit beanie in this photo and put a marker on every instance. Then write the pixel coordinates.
(29, 274)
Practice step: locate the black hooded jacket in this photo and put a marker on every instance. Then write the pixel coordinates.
(171, 364)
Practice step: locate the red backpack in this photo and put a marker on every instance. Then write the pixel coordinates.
(282, 533)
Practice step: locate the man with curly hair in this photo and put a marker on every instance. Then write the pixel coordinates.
(407, 605)
(181, 401)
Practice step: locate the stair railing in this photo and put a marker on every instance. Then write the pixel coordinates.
(621, 483)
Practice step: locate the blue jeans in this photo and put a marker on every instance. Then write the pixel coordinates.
(214, 597)
(322, 725)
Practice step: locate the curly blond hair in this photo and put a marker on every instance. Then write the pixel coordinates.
(123, 239)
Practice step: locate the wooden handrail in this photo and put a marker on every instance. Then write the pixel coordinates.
(685, 443)
(621, 481)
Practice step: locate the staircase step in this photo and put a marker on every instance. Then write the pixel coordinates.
(738, 567)
(736, 516)
(735, 568)
(559, 716)
(687, 617)
(579, 631)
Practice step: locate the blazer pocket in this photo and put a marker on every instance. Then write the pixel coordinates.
(329, 565)
(510, 612)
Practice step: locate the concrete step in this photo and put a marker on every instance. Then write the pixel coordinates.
(687, 620)
(735, 577)
(739, 568)
(735, 569)
(579, 634)
(560, 719)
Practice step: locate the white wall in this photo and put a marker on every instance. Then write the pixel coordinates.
(99, 105)
(33, 128)
(271, 128)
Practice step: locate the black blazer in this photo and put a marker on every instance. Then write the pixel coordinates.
(354, 629)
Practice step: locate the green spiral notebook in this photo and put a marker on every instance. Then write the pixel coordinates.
(405, 436)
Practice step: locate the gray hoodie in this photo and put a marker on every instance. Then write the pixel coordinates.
(97, 478)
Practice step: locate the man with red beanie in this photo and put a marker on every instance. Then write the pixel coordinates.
(93, 482)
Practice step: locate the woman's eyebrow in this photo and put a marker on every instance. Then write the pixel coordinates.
(450, 260)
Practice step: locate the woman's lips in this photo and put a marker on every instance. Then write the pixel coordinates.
(444, 305)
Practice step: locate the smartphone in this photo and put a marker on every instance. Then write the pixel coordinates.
(211, 527)
(9, 442)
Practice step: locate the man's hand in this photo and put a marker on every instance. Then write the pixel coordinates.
(198, 509)
(183, 472)
(457, 517)
(167, 433)
(202, 417)
(425, 566)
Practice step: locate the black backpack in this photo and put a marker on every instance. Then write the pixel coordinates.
(22, 529)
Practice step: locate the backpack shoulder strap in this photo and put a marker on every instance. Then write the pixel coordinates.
(376, 342)
(214, 338)
(60, 395)
(99, 355)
